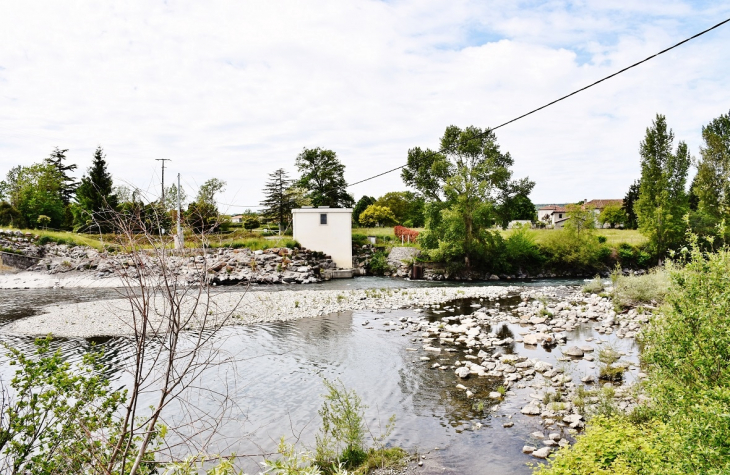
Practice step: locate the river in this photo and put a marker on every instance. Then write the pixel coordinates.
(274, 388)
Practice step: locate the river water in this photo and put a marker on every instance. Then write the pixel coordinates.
(273, 385)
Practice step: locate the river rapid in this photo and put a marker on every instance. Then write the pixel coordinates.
(271, 385)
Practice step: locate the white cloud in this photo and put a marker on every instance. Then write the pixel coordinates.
(235, 89)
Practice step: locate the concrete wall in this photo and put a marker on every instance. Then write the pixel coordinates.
(333, 238)
(18, 261)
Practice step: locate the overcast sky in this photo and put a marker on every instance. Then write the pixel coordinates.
(235, 89)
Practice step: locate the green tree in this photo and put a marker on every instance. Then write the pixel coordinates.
(712, 182)
(517, 207)
(375, 215)
(361, 205)
(171, 197)
(632, 196)
(581, 219)
(68, 183)
(277, 202)
(662, 202)
(323, 175)
(613, 215)
(35, 191)
(465, 181)
(95, 196)
(9, 216)
(208, 190)
(406, 206)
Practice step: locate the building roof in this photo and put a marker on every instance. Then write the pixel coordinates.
(600, 204)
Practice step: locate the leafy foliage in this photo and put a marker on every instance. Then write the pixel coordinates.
(361, 205)
(323, 176)
(63, 418)
(613, 215)
(465, 183)
(37, 190)
(662, 201)
(375, 215)
(342, 435)
(9, 216)
(407, 207)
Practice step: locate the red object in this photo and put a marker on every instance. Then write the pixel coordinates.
(405, 233)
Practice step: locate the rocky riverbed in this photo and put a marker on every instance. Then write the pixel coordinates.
(114, 317)
(484, 354)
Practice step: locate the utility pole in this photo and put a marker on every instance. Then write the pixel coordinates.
(180, 241)
(163, 160)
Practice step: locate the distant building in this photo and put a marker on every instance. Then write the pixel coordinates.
(599, 205)
(237, 218)
(327, 230)
(552, 215)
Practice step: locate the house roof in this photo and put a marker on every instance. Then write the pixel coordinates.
(600, 204)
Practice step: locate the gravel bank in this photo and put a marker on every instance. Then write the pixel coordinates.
(114, 317)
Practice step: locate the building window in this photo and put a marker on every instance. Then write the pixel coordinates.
(560, 216)
(323, 218)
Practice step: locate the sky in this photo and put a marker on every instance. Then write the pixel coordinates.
(236, 89)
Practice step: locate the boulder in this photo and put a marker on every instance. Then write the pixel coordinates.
(573, 351)
(462, 372)
(531, 410)
(542, 453)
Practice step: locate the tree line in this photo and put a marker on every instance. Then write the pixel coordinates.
(46, 195)
(661, 205)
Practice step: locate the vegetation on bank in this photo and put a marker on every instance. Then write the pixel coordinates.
(682, 427)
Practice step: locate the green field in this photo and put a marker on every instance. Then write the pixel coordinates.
(614, 237)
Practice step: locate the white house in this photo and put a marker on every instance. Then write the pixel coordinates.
(327, 230)
(237, 218)
(554, 215)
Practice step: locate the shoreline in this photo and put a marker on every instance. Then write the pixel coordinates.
(109, 318)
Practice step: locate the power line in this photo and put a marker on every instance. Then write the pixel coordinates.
(567, 95)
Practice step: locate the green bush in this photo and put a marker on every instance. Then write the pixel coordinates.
(685, 429)
(341, 438)
(521, 251)
(613, 445)
(631, 291)
(359, 239)
(602, 239)
(568, 249)
(594, 286)
(378, 264)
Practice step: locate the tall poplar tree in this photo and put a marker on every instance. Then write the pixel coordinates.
(663, 201)
(712, 183)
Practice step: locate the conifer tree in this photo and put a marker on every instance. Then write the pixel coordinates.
(95, 194)
(68, 183)
(277, 201)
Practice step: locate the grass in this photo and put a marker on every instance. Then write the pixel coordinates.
(614, 237)
(237, 239)
(69, 237)
(650, 288)
(595, 286)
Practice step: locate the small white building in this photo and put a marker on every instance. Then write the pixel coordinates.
(327, 230)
